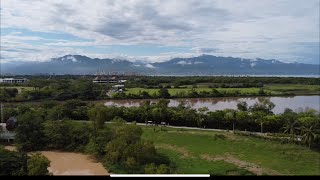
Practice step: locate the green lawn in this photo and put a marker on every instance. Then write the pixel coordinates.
(294, 88)
(188, 149)
(276, 89)
(199, 166)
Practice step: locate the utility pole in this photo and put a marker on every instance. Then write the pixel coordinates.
(2, 115)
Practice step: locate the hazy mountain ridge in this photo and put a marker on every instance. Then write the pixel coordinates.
(201, 65)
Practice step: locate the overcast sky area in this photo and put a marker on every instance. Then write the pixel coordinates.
(156, 30)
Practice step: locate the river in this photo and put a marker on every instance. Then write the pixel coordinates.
(296, 103)
(70, 163)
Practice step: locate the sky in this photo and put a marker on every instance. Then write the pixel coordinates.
(157, 30)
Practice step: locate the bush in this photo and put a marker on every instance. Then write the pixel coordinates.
(38, 165)
(12, 163)
(129, 152)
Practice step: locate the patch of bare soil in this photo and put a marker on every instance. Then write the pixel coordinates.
(10, 148)
(185, 153)
(240, 163)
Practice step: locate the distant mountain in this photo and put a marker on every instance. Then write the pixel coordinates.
(201, 65)
(71, 64)
(213, 65)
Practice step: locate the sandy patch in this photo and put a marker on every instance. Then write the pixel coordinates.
(10, 148)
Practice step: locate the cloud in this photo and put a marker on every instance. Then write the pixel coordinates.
(184, 63)
(280, 29)
(149, 66)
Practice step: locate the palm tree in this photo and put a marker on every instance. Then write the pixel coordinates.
(291, 128)
(231, 115)
(202, 112)
(308, 135)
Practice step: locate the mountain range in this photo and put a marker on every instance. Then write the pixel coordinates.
(201, 65)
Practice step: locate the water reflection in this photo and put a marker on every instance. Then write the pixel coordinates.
(296, 103)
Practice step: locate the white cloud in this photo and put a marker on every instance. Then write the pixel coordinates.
(184, 63)
(276, 29)
(149, 66)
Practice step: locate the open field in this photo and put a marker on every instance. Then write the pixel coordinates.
(223, 153)
(273, 89)
(294, 88)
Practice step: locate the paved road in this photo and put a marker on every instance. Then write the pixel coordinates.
(185, 127)
(193, 128)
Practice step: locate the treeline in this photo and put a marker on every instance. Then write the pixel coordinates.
(256, 118)
(54, 89)
(81, 87)
(191, 93)
(14, 163)
(119, 147)
(179, 85)
(218, 81)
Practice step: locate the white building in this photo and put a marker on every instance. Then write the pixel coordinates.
(118, 88)
(13, 80)
(108, 80)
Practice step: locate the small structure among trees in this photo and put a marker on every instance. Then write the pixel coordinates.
(7, 129)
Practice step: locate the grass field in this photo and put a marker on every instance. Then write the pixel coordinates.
(223, 153)
(277, 89)
(294, 88)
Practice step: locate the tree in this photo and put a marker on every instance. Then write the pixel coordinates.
(128, 151)
(12, 163)
(260, 110)
(164, 93)
(308, 135)
(290, 119)
(291, 128)
(29, 133)
(270, 120)
(145, 111)
(154, 169)
(98, 116)
(163, 169)
(230, 115)
(66, 135)
(97, 143)
(242, 106)
(38, 165)
(201, 116)
(265, 106)
(150, 168)
(259, 117)
(160, 111)
(261, 92)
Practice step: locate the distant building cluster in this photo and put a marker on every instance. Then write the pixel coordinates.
(13, 80)
(108, 80)
(117, 82)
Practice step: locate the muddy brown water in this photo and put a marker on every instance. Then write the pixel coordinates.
(296, 103)
(69, 163)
